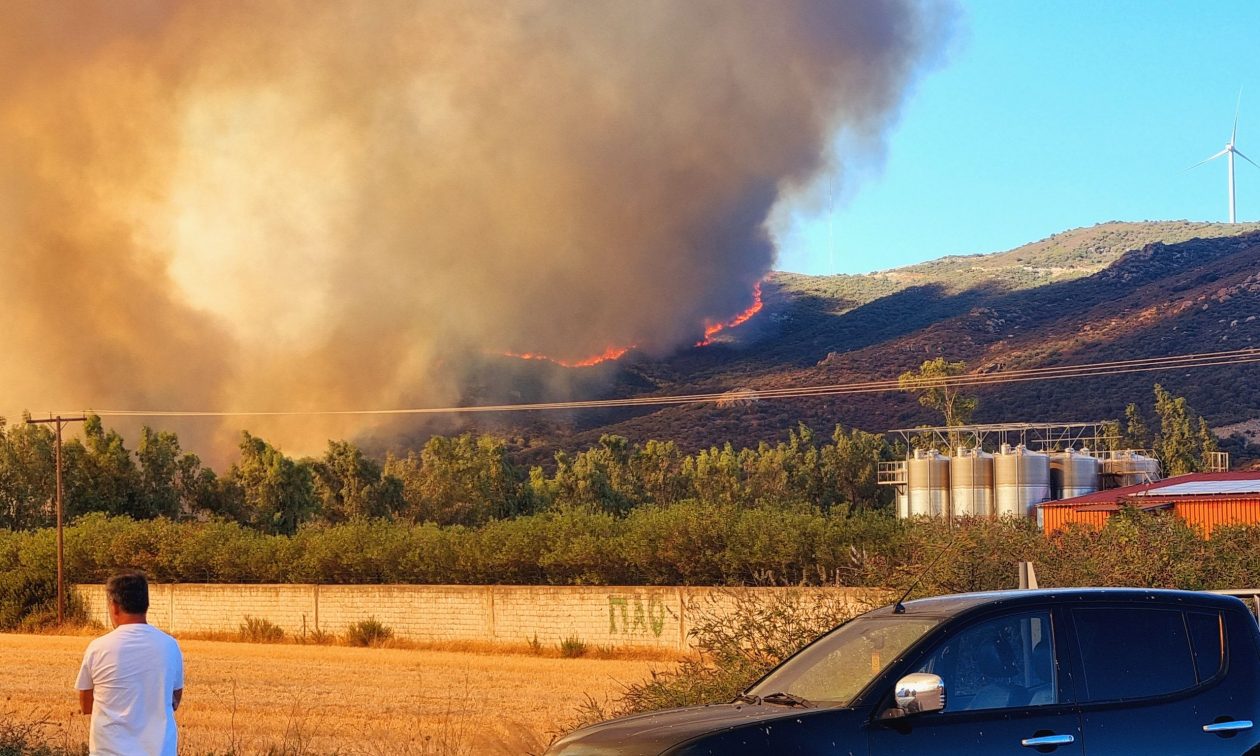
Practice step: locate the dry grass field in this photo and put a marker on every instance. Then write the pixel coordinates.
(246, 698)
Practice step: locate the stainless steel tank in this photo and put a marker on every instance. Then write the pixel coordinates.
(971, 483)
(928, 478)
(1129, 468)
(1072, 473)
(903, 501)
(1021, 480)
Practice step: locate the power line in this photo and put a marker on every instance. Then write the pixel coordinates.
(1086, 370)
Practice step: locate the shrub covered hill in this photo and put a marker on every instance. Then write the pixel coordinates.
(1111, 292)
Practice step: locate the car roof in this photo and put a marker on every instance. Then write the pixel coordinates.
(961, 603)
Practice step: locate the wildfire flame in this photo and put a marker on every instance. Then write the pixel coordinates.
(615, 353)
(712, 329)
(611, 353)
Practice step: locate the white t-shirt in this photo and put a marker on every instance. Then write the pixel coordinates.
(132, 672)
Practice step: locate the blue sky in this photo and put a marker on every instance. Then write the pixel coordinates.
(1046, 116)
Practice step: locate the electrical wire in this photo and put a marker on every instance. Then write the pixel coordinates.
(970, 380)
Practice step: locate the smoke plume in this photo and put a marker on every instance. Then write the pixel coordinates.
(334, 205)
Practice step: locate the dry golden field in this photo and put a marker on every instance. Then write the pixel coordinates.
(243, 698)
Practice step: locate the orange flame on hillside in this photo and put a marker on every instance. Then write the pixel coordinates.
(615, 353)
(611, 353)
(712, 329)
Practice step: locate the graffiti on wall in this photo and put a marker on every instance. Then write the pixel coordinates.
(632, 615)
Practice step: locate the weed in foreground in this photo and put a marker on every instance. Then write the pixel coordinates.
(260, 630)
(368, 633)
(572, 648)
(34, 736)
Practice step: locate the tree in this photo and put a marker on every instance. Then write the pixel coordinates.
(101, 474)
(931, 382)
(1185, 442)
(1208, 444)
(27, 475)
(464, 480)
(1112, 438)
(349, 485)
(1136, 436)
(275, 494)
(598, 478)
(158, 456)
(853, 460)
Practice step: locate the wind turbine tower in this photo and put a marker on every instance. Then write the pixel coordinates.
(1229, 151)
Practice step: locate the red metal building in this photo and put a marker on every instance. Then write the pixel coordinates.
(1208, 500)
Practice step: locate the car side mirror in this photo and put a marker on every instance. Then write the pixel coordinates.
(920, 693)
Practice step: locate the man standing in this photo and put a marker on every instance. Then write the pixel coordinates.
(132, 678)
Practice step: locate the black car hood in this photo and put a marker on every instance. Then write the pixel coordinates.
(650, 734)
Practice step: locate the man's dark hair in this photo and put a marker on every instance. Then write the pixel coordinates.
(129, 591)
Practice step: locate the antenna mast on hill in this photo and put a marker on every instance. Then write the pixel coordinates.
(1229, 151)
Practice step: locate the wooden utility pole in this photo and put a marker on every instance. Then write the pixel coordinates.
(61, 558)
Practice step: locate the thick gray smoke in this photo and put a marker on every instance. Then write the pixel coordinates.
(297, 205)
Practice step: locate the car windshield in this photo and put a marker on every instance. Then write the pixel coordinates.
(836, 667)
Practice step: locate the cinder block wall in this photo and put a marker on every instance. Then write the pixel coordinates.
(610, 616)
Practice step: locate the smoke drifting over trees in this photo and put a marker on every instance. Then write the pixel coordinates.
(286, 205)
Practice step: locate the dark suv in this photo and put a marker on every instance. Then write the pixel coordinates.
(1069, 671)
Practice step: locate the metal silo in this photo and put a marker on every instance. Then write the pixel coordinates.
(971, 483)
(903, 502)
(1128, 468)
(1021, 480)
(928, 483)
(1072, 473)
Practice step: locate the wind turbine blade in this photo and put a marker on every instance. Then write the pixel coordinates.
(1234, 134)
(1208, 160)
(1244, 157)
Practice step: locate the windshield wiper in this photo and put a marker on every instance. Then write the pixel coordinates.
(747, 698)
(786, 699)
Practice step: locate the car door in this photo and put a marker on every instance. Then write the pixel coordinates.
(1158, 679)
(1006, 691)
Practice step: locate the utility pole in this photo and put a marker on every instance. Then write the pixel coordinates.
(61, 559)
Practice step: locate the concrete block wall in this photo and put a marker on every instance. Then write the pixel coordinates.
(609, 616)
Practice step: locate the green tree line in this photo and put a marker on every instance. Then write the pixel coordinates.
(472, 479)
(465, 480)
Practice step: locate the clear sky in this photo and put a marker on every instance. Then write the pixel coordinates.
(1046, 116)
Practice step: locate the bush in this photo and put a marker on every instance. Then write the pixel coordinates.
(259, 630)
(32, 738)
(737, 644)
(572, 648)
(368, 633)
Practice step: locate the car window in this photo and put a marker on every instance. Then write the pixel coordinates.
(1001, 663)
(836, 667)
(1118, 646)
(1207, 639)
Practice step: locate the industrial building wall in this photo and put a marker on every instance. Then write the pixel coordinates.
(614, 617)
(1057, 518)
(1207, 513)
(1212, 514)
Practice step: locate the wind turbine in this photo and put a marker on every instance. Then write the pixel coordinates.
(1230, 150)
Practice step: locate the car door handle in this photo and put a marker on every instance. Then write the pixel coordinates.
(1047, 740)
(1234, 726)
